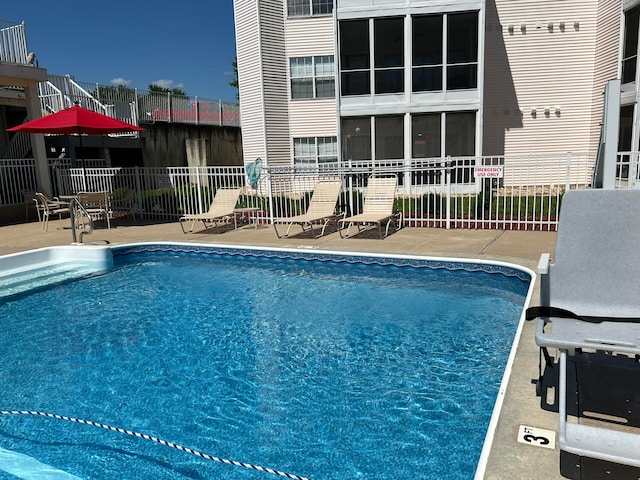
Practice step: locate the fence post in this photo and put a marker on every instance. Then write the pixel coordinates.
(199, 189)
(220, 122)
(351, 212)
(447, 176)
(270, 193)
(136, 176)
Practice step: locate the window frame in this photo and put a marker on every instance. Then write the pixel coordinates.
(318, 156)
(309, 8)
(318, 82)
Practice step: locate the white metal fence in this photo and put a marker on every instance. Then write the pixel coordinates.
(478, 193)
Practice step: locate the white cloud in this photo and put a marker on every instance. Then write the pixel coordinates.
(168, 84)
(120, 81)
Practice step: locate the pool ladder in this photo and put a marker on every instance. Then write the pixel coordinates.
(87, 229)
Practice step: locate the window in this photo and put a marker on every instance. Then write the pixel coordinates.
(454, 58)
(389, 137)
(425, 135)
(630, 52)
(427, 53)
(354, 57)
(356, 138)
(315, 150)
(462, 51)
(297, 8)
(389, 55)
(312, 77)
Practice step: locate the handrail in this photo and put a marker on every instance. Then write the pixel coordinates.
(72, 204)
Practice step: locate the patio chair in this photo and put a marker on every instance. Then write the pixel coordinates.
(377, 208)
(320, 212)
(97, 205)
(221, 210)
(48, 206)
(590, 305)
(123, 205)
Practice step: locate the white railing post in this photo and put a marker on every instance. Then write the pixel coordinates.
(199, 189)
(567, 184)
(270, 193)
(447, 177)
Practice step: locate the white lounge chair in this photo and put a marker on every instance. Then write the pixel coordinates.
(320, 212)
(378, 207)
(221, 210)
(590, 312)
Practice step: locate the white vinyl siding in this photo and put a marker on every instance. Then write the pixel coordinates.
(311, 37)
(537, 101)
(250, 81)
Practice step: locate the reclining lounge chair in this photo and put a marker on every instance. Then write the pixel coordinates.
(377, 208)
(590, 313)
(221, 210)
(321, 210)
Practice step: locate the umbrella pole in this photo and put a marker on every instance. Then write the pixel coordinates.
(84, 170)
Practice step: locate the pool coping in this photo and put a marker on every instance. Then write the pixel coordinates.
(449, 263)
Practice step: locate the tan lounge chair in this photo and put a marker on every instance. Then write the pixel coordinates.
(321, 210)
(221, 210)
(377, 208)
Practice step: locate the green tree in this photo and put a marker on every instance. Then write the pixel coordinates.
(174, 91)
(234, 82)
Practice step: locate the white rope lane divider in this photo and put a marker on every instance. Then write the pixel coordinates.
(157, 440)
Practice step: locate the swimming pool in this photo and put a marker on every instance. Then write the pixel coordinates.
(330, 366)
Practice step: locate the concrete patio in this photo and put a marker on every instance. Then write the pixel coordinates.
(508, 459)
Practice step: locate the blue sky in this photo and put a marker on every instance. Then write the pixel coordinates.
(188, 44)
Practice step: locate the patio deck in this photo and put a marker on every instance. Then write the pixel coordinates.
(508, 458)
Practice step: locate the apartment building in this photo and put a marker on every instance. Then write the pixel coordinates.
(398, 80)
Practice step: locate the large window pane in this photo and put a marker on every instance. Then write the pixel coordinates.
(327, 149)
(356, 83)
(322, 7)
(315, 150)
(298, 7)
(460, 141)
(389, 55)
(462, 50)
(427, 79)
(356, 138)
(427, 40)
(301, 71)
(354, 44)
(425, 135)
(354, 57)
(460, 134)
(301, 88)
(460, 77)
(630, 54)
(389, 137)
(304, 150)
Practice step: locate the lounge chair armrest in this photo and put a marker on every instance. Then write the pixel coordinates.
(543, 264)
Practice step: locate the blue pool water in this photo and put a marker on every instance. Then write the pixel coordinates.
(324, 369)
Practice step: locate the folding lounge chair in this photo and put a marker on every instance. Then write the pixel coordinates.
(221, 210)
(377, 208)
(590, 310)
(321, 210)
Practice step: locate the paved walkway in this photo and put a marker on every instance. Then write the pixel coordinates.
(508, 458)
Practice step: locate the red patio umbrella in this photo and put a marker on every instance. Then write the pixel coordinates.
(76, 120)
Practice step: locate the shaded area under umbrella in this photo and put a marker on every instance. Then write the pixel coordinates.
(76, 120)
